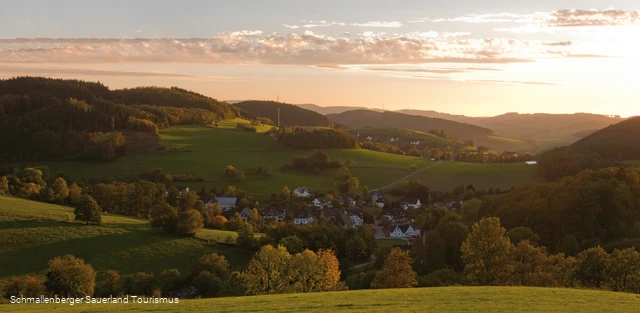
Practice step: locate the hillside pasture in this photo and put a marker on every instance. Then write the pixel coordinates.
(449, 175)
(122, 243)
(442, 299)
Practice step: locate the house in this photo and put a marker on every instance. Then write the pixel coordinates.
(182, 188)
(245, 213)
(369, 138)
(375, 195)
(273, 214)
(380, 202)
(449, 204)
(226, 203)
(346, 200)
(531, 162)
(415, 143)
(356, 215)
(338, 218)
(322, 202)
(410, 203)
(301, 192)
(395, 216)
(509, 154)
(302, 217)
(405, 231)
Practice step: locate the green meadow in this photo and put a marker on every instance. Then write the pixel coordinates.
(32, 233)
(442, 299)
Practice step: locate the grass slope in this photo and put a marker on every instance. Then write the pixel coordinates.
(388, 132)
(448, 175)
(208, 150)
(32, 233)
(445, 299)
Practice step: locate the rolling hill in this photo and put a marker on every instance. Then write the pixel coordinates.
(560, 128)
(334, 109)
(618, 141)
(441, 299)
(364, 118)
(290, 115)
(32, 233)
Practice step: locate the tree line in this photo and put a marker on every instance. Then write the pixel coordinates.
(44, 118)
(320, 138)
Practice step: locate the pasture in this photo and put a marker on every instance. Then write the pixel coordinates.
(442, 299)
(29, 240)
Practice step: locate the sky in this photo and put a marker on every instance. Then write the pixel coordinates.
(478, 58)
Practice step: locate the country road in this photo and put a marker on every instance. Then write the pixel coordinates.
(405, 177)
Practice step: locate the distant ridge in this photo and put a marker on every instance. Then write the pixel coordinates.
(290, 115)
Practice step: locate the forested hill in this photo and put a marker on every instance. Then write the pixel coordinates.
(290, 115)
(366, 118)
(42, 118)
(619, 141)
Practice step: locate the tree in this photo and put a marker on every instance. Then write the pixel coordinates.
(74, 193)
(267, 272)
(485, 253)
(591, 267)
(170, 280)
(213, 263)
(13, 287)
(396, 271)
(141, 284)
(111, 285)
(530, 265)
(356, 248)
(4, 185)
(285, 192)
(60, 190)
(624, 269)
(470, 211)
(255, 218)
(87, 210)
(522, 233)
(189, 223)
(311, 272)
(293, 244)
(233, 174)
(164, 216)
(218, 222)
(246, 238)
(208, 284)
(69, 276)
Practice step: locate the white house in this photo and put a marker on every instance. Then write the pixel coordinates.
(274, 214)
(395, 216)
(301, 192)
(226, 203)
(369, 138)
(375, 195)
(410, 203)
(356, 215)
(322, 202)
(302, 217)
(346, 200)
(405, 231)
(415, 143)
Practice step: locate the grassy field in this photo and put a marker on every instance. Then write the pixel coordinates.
(448, 175)
(208, 150)
(389, 242)
(402, 133)
(444, 299)
(32, 233)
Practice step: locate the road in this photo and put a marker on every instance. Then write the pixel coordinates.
(403, 178)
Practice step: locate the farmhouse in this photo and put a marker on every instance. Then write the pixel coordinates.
(406, 231)
(369, 138)
(410, 203)
(346, 200)
(273, 214)
(375, 195)
(226, 203)
(322, 202)
(356, 215)
(395, 216)
(415, 143)
(301, 192)
(245, 213)
(302, 217)
(338, 218)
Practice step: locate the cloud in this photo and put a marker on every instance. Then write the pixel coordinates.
(578, 18)
(492, 81)
(420, 20)
(11, 71)
(138, 31)
(432, 70)
(489, 18)
(255, 47)
(559, 44)
(323, 23)
(378, 24)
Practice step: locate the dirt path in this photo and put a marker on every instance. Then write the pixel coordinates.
(403, 178)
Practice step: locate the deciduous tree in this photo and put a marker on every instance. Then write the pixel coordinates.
(396, 271)
(87, 210)
(68, 276)
(268, 271)
(486, 253)
(189, 223)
